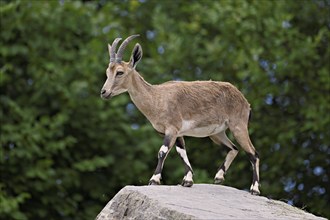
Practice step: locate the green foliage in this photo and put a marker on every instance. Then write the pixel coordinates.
(65, 152)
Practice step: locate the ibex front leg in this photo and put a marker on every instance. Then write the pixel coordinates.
(169, 140)
(188, 176)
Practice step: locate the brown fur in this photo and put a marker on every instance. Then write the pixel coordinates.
(203, 101)
(198, 106)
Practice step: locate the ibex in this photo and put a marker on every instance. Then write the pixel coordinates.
(177, 109)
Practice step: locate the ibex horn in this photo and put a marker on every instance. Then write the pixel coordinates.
(123, 46)
(113, 50)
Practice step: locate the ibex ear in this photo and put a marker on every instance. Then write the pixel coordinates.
(109, 49)
(136, 55)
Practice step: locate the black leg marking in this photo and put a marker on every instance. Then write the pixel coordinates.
(180, 144)
(180, 148)
(229, 149)
(253, 159)
(167, 141)
(220, 176)
(164, 149)
(223, 166)
(222, 139)
(162, 154)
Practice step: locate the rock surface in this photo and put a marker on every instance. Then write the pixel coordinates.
(201, 201)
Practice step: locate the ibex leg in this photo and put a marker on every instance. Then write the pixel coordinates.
(188, 176)
(168, 142)
(242, 136)
(222, 138)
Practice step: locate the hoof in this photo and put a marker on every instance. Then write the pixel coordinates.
(187, 183)
(254, 192)
(153, 182)
(219, 180)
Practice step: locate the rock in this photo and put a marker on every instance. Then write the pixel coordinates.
(201, 201)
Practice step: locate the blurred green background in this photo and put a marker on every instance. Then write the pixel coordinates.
(65, 152)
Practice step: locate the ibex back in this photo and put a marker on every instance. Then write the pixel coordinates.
(178, 109)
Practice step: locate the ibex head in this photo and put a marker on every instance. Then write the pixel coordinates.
(119, 72)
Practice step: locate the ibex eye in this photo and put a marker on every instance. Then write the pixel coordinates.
(119, 73)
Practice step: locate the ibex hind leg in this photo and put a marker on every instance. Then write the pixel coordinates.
(241, 134)
(219, 139)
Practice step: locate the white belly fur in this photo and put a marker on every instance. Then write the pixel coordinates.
(188, 129)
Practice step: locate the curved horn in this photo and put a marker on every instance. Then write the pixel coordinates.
(113, 50)
(123, 46)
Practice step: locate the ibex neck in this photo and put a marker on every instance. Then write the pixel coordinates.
(141, 92)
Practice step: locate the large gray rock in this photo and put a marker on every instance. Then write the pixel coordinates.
(201, 201)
